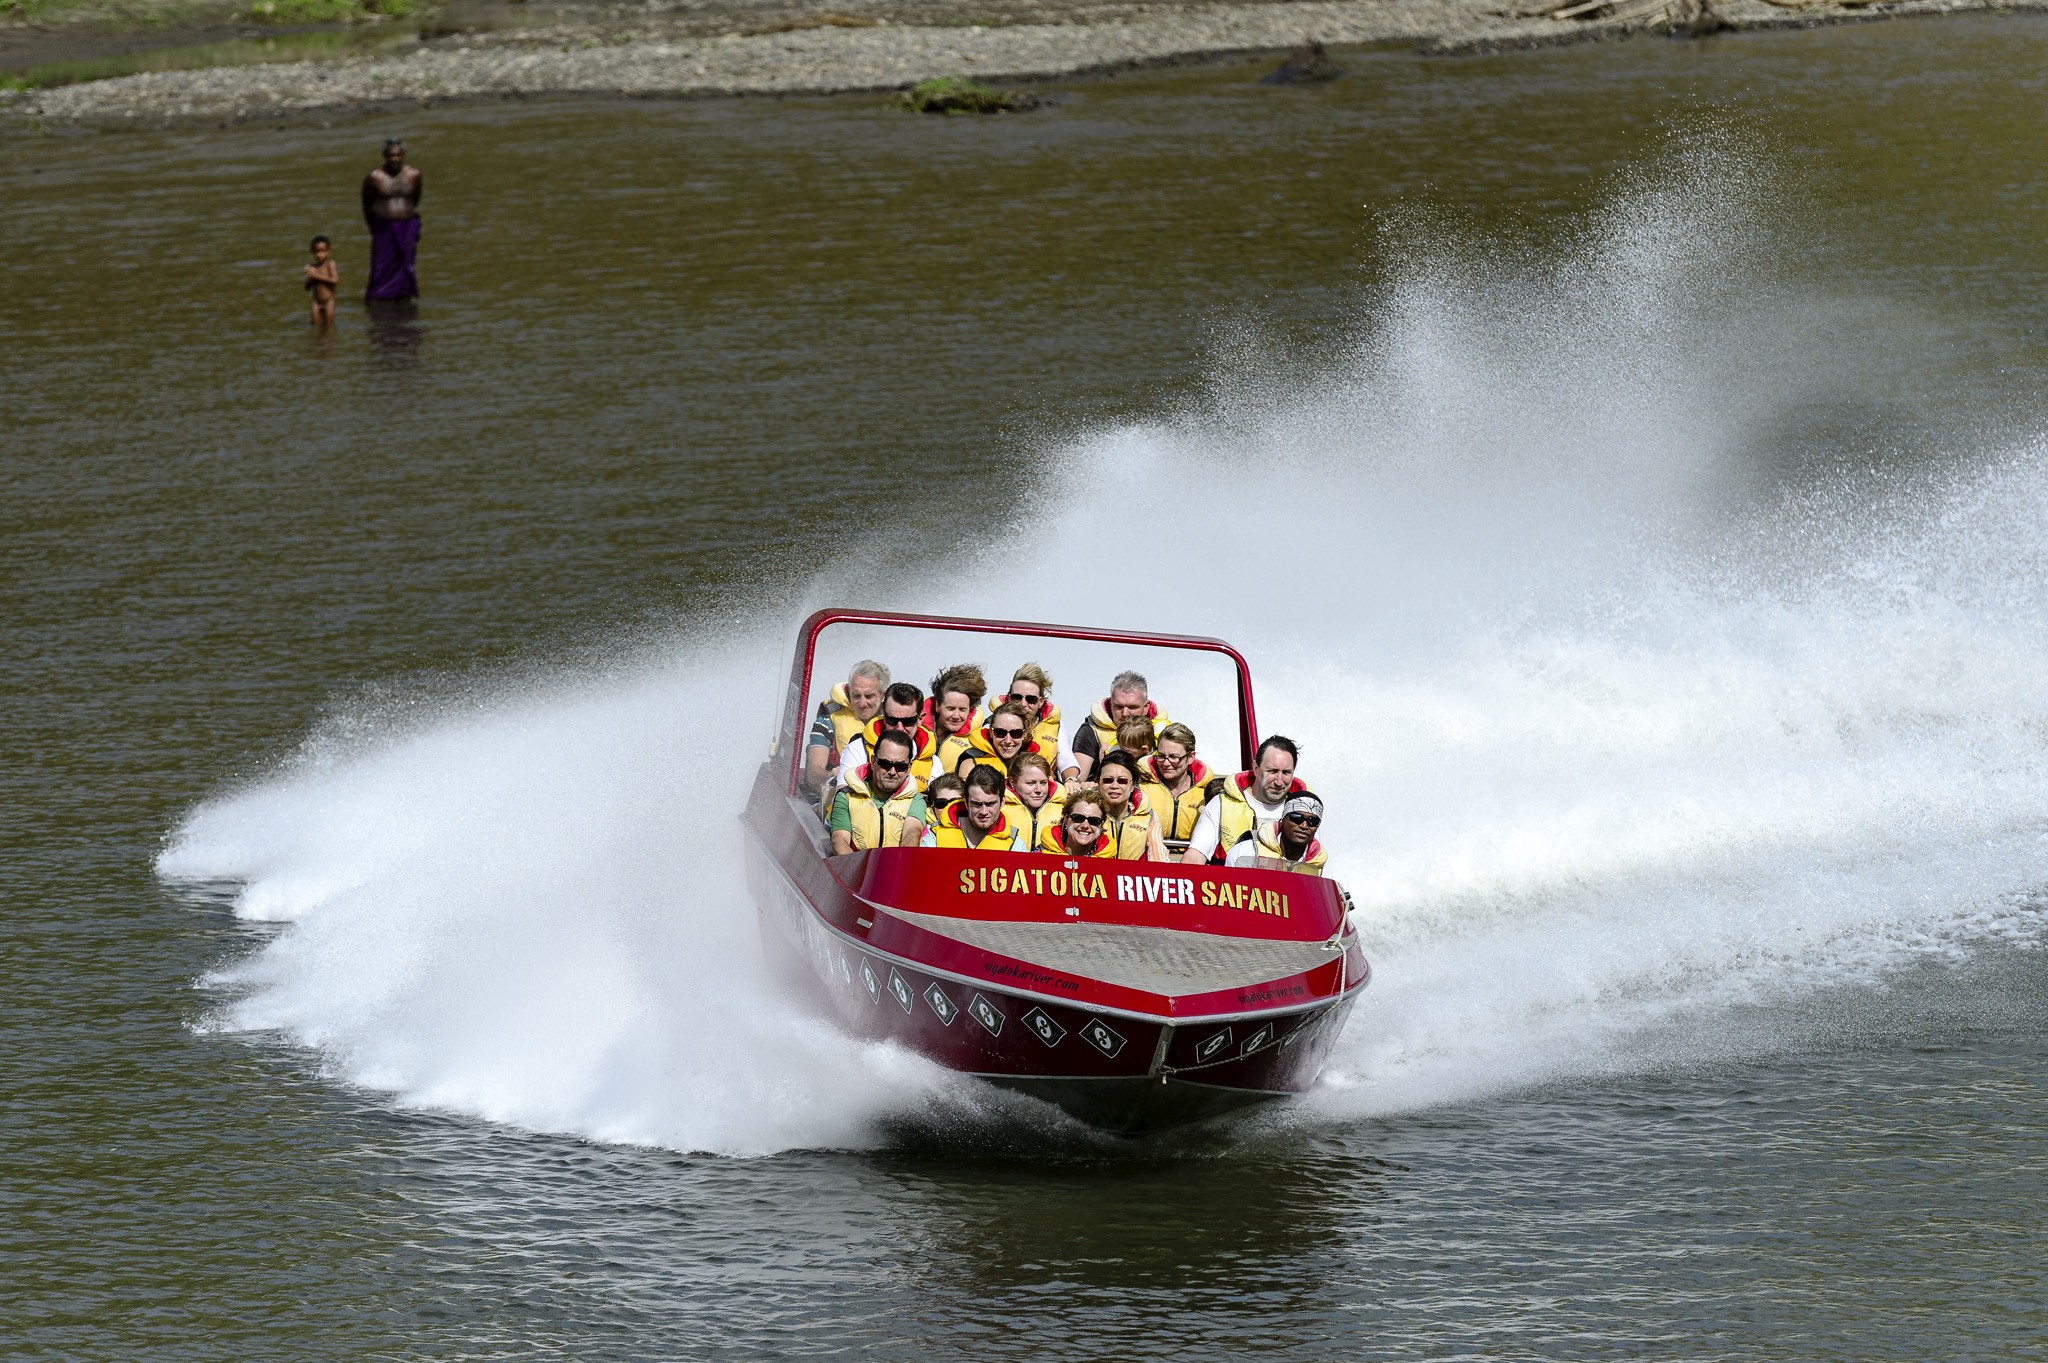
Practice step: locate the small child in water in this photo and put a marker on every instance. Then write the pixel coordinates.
(323, 276)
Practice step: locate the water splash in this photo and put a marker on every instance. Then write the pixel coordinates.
(1627, 718)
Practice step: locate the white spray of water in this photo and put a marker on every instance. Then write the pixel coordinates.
(1611, 735)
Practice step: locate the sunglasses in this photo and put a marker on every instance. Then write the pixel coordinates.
(1006, 733)
(1085, 820)
(884, 764)
(1305, 820)
(1022, 699)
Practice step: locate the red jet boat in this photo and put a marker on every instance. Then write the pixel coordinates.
(1135, 995)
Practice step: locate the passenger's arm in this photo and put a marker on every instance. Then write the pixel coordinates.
(842, 842)
(913, 834)
(1155, 844)
(817, 760)
(1208, 832)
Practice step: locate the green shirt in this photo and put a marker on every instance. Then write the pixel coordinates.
(842, 811)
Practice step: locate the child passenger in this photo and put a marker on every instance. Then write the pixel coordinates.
(323, 276)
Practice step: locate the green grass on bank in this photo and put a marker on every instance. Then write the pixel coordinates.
(326, 11)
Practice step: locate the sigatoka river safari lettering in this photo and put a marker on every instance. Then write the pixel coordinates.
(1034, 880)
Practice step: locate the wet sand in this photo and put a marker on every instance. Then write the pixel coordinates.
(746, 48)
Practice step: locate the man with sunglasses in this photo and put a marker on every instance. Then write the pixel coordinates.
(1289, 842)
(879, 805)
(903, 710)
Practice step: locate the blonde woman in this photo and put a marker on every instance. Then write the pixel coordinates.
(1175, 783)
(1034, 802)
(997, 743)
(1079, 831)
(1032, 689)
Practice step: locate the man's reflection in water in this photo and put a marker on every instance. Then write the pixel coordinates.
(395, 332)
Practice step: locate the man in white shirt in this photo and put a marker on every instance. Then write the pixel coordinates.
(902, 707)
(1246, 802)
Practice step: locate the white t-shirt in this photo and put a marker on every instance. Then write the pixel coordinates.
(1209, 827)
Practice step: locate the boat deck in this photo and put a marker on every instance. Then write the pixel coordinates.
(1158, 960)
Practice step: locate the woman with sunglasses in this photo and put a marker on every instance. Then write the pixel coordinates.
(1032, 689)
(1289, 842)
(1175, 783)
(1034, 803)
(997, 743)
(949, 714)
(1129, 824)
(1079, 831)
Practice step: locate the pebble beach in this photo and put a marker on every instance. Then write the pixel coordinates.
(684, 54)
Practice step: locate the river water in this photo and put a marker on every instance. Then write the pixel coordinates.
(1623, 467)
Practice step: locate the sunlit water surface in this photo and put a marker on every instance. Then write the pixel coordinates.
(1622, 466)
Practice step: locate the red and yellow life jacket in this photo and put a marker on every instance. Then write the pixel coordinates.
(951, 831)
(1236, 818)
(1033, 823)
(846, 725)
(948, 751)
(1105, 727)
(1268, 840)
(920, 761)
(1177, 813)
(1054, 840)
(1131, 831)
(878, 822)
(984, 751)
(1047, 732)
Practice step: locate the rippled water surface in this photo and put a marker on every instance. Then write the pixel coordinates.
(1622, 465)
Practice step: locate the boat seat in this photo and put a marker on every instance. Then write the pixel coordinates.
(1157, 960)
(807, 818)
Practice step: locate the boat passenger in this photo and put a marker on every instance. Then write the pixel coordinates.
(1129, 698)
(841, 717)
(1129, 822)
(1240, 805)
(945, 790)
(1032, 689)
(879, 805)
(1079, 831)
(997, 743)
(1136, 737)
(1174, 781)
(1289, 843)
(977, 822)
(1034, 802)
(950, 713)
(902, 708)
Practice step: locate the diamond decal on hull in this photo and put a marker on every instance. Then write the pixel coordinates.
(845, 970)
(1256, 1040)
(1210, 1045)
(986, 1013)
(1043, 1027)
(867, 977)
(940, 1004)
(1097, 1034)
(899, 989)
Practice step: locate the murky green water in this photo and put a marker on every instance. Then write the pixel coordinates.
(669, 354)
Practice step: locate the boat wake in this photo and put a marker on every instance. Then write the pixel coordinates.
(1642, 697)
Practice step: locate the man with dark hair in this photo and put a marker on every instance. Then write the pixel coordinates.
(902, 708)
(391, 209)
(978, 821)
(1241, 805)
(1289, 843)
(879, 805)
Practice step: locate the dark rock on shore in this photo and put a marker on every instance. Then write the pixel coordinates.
(1305, 65)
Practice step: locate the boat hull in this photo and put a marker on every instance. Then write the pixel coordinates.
(1119, 1057)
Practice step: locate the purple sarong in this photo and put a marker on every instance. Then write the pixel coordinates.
(394, 246)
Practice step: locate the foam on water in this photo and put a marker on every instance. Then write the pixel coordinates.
(1622, 727)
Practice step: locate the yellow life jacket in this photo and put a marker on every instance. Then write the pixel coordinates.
(1054, 840)
(948, 751)
(985, 753)
(1177, 813)
(878, 822)
(1133, 832)
(1033, 823)
(846, 726)
(920, 761)
(1105, 727)
(1268, 840)
(1046, 735)
(1237, 819)
(949, 831)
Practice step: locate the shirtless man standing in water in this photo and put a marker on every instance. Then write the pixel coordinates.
(391, 208)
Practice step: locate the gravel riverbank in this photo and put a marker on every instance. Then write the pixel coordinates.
(669, 53)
